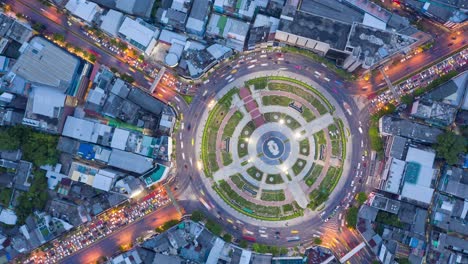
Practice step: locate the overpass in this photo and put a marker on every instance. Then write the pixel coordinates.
(352, 252)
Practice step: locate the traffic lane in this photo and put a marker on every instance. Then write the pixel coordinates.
(128, 234)
(76, 37)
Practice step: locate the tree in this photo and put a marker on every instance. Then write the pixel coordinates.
(197, 216)
(449, 146)
(227, 237)
(214, 227)
(167, 225)
(361, 198)
(127, 78)
(318, 241)
(58, 37)
(243, 243)
(407, 99)
(8, 141)
(92, 57)
(141, 57)
(283, 251)
(351, 217)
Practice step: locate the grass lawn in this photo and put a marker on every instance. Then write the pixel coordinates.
(288, 207)
(232, 124)
(270, 195)
(307, 114)
(313, 174)
(252, 171)
(320, 137)
(258, 83)
(215, 118)
(301, 93)
(275, 100)
(288, 120)
(335, 147)
(187, 98)
(227, 158)
(243, 204)
(298, 168)
(304, 145)
(240, 182)
(274, 179)
(249, 128)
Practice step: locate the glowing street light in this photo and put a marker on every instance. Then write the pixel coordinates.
(281, 121)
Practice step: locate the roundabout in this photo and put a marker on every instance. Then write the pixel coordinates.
(272, 149)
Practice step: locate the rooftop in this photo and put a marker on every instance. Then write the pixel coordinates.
(390, 125)
(418, 175)
(130, 162)
(455, 181)
(43, 62)
(111, 21)
(318, 28)
(138, 32)
(140, 8)
(83, 9)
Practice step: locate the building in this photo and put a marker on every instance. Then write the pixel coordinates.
(351, 44)
(158, 174)
(454, 182)
(41, 62)
(198, 17)
(435, 113)
(45, 109)
(453, 92)
(452, 14)
(102, 179)
(390, 125)
(263, 31)
(13, 30)
(86, 130)
(111, 22)
(177, 43)
(139, 34)
(231, 32)
(242, 9)
(171, 18)
(140, 8)
(84, 10)
(130, 162)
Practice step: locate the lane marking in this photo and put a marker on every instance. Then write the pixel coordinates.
(177, 99)
(183, 156)
(181, 144)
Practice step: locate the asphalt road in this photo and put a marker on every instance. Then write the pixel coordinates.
(128, 234)
(188, 179)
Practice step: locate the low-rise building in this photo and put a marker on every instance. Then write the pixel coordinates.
(390, 125)
(84, 10)
(139, 34)
(435, 113)
(229, 31)
(198, 17)
(111, 21)
(102, 179)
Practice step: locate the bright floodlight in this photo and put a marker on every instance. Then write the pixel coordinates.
(281, 121)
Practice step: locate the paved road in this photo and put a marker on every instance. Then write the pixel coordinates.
(188, 178)
(56, 22)
(128, 234)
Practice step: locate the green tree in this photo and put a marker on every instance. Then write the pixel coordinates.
(227, 237)
(283, 251)
(197, 216)
(167, 225)
(407, 99)
(8, 141)
(5, 195)
(351, 217)
(141, 57)
(58, 37)
(92, 57)
(214, 227)
(449, 146)
(318, 241)
(35, 199)
(361, 197)
(243, 244)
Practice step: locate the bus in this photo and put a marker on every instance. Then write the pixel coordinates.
(249, 238)
(292, 239)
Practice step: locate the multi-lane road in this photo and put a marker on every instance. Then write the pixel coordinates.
(188, 185)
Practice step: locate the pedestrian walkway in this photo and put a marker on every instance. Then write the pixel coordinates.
(251, 106)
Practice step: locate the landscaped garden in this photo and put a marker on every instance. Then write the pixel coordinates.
(272, 149)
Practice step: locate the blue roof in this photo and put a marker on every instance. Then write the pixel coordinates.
(465, 165)
(86, 151)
